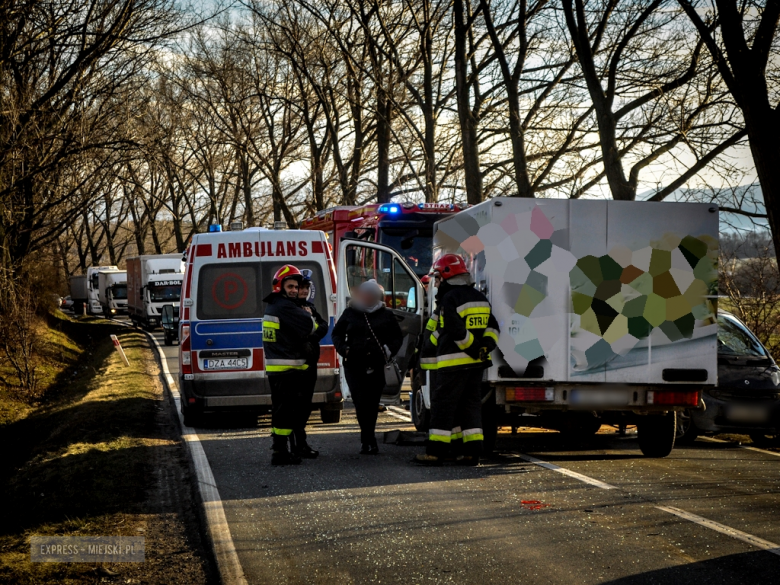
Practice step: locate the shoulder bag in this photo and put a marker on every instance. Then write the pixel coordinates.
(393, 376)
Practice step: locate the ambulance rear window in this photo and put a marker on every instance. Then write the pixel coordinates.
(318, 294)
(230, 291)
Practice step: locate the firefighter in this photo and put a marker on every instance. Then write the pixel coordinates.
(459, 337)
(287, 328)
(300, 447)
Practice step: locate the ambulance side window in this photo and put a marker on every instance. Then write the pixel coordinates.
(229, 291)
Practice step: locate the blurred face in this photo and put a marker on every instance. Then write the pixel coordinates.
(290, 288)
(437, 280)
(366, 298)
(303, 290)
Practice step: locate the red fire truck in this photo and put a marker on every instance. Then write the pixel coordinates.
(405, 227)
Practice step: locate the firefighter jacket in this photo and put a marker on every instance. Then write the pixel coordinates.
(313, 343)
(286, 332)
(461, 332)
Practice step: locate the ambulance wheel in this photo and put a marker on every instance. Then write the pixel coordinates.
(421, 416)
(657, 433)
(192, 418)
(330, 417)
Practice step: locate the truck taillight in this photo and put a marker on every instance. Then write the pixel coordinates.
(184, 348)
(530, 394)
(673, 397)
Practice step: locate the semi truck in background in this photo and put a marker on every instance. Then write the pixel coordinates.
(112, 291)
(78, 292)
(93, 301)
(153, 281)
(607, 310)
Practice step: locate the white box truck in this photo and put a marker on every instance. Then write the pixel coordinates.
(78, 292)
(153, 281)
(93, 301)
(607, 310)
(112, 292)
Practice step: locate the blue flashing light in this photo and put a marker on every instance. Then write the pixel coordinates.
(215, 227)
(389, 209)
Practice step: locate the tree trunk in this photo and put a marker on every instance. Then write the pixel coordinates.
(383, 137)
(763, 126)
(468, 123)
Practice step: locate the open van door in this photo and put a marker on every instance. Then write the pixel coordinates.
(359, 261)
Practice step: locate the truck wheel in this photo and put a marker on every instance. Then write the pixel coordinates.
(686, 428)
(330, 417)
(657, 433)
(421, 416)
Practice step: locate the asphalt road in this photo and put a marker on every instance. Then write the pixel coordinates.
(345, 518)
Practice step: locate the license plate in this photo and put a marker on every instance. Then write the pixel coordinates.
(747, 414)
(600, 397)
(226, 364)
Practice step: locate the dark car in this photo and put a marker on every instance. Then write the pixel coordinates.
(746, 400)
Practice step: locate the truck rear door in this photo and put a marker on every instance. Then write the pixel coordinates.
(359, 261)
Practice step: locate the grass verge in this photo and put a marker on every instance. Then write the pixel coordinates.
(87, 462)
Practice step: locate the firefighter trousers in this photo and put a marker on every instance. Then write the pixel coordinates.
(456, 412)
(303, 405)
(286, 400)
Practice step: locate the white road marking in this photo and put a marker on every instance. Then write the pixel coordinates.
(567, 472)
(756, 449)
(723, 529)
(398, 413)
(228, 565)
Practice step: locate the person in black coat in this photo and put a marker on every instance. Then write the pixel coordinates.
(312, 351)
(365, 336)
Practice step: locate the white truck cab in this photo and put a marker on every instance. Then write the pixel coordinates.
(93, 301)
(112, 292)
(153, 282)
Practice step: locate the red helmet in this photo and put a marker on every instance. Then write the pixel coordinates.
(450, 265)
(285, 272)
(425, 279)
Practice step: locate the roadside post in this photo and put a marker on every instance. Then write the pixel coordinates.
(121, 351)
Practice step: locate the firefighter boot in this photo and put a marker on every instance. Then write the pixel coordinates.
(281, 456)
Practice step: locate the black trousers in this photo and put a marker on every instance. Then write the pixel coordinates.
(366, 390)
(287, 391)
(456, 412)
(303, 404)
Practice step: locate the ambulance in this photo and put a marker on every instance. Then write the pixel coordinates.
(227, 276)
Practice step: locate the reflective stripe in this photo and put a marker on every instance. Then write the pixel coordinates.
(282, 432)
(270, 324)
(285, 362)
(474, 437)
(475, 308)
(285, 365)
(270, 318)
(466, 342)
(314, 328)
(439, 435)
(492, 333)
(457, 435)
(428, 363)
(285, 368)
(434, 339)
(431, 325)
(472, 305)
(441, 321)
(455, 359)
